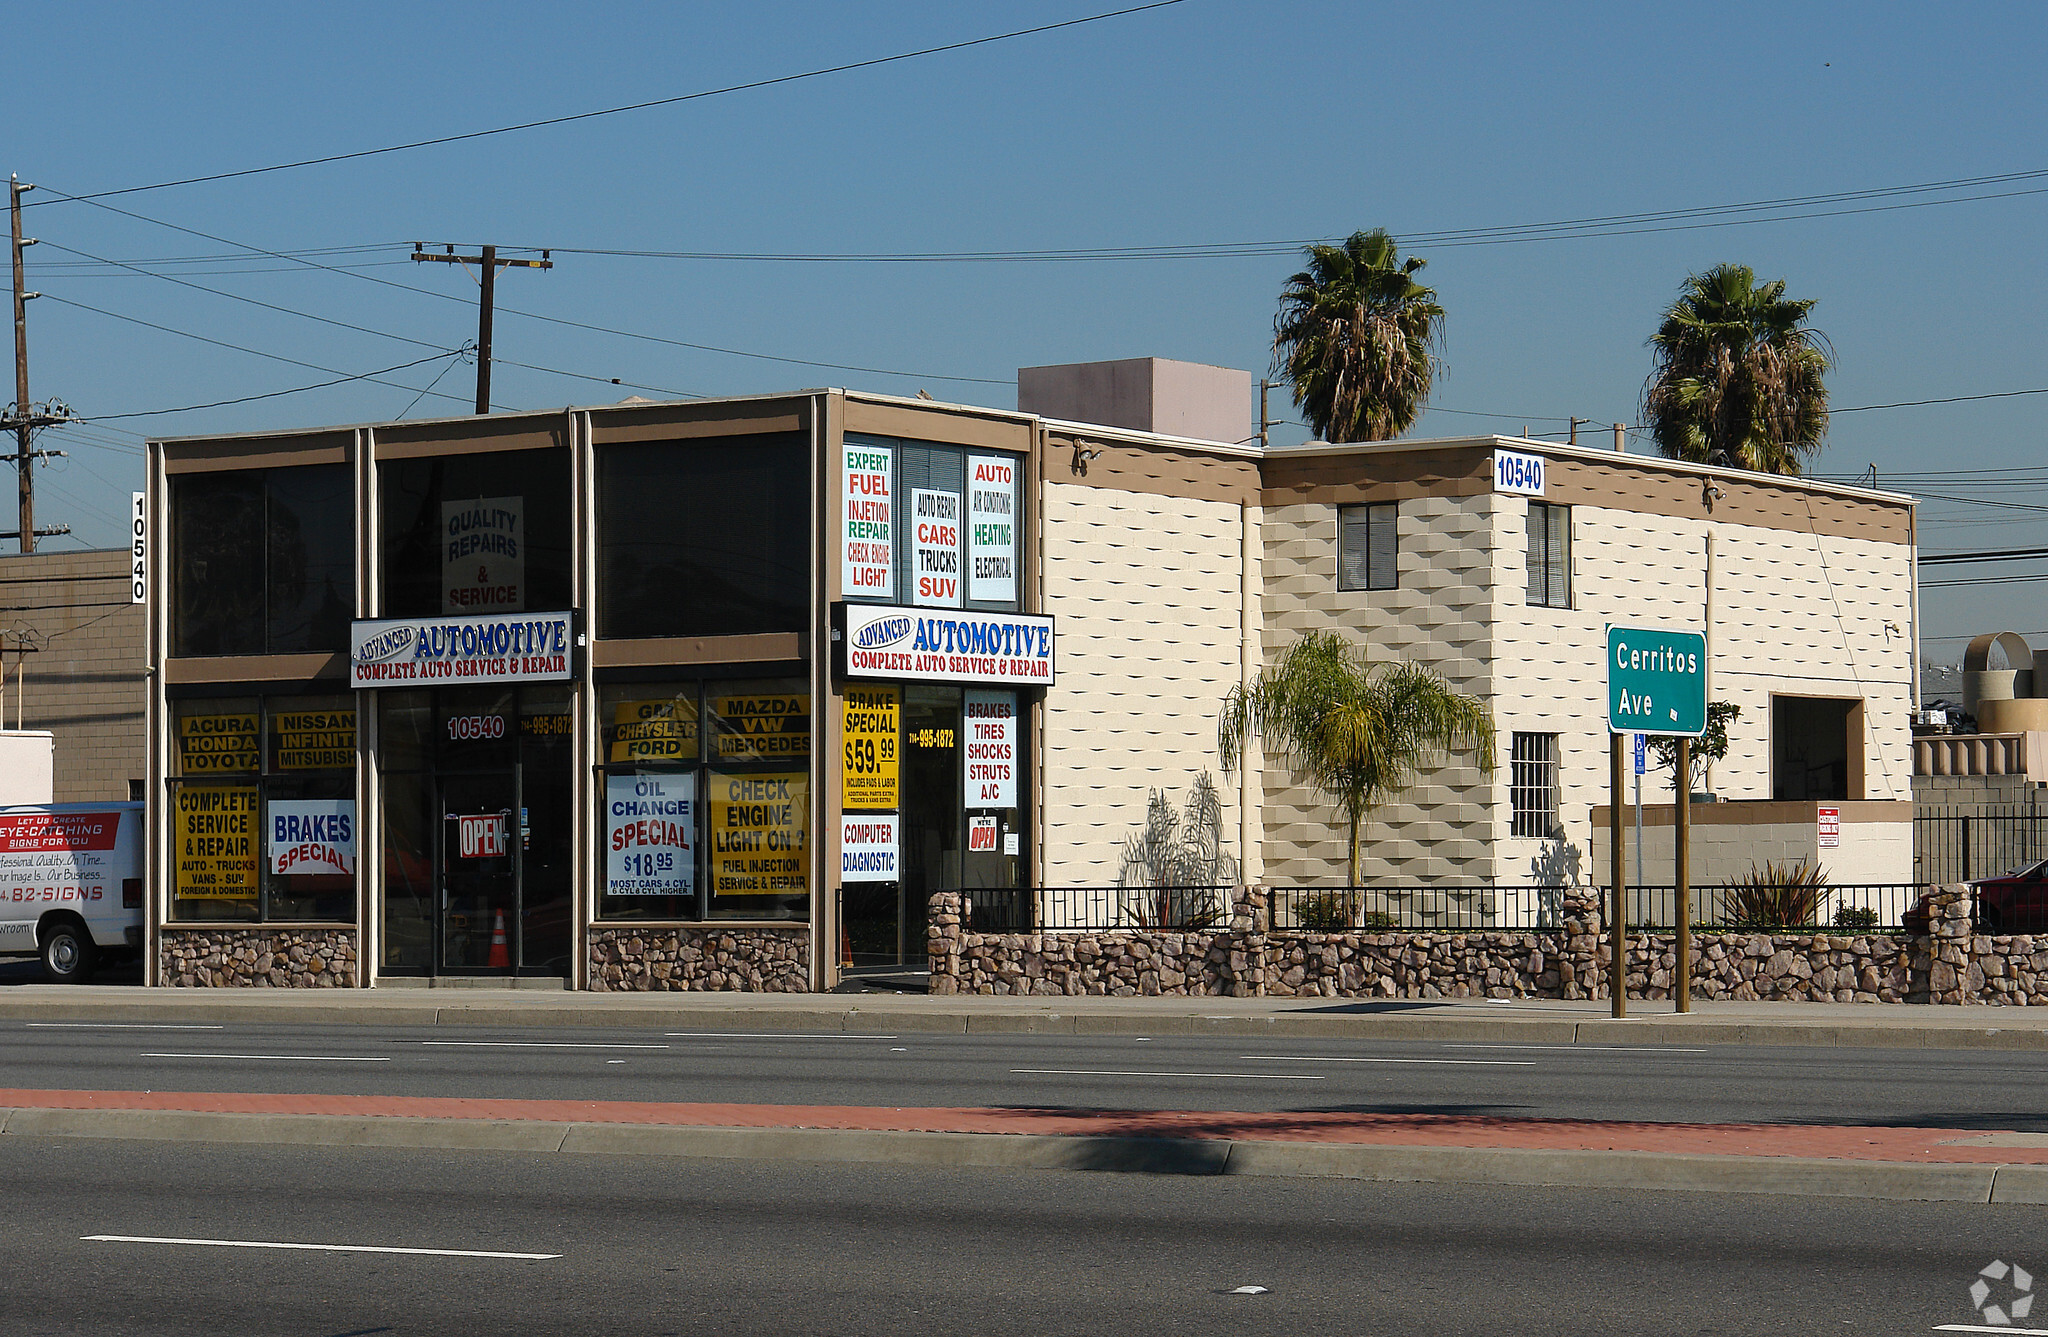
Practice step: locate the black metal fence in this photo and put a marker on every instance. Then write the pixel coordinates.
(1027, 909)
(1955, 846)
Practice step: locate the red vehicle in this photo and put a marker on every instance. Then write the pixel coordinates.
(2015, 902)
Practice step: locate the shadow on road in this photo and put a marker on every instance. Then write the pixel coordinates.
(28, 970)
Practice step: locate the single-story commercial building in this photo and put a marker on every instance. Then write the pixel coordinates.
(716, 694)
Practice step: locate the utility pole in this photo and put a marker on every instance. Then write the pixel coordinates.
(1266, 423)
(490, 264)
(23, 416)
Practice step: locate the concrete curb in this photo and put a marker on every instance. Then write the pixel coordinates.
(1887, 1180)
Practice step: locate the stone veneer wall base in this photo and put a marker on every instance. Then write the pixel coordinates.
(625, 959)
(266, 956)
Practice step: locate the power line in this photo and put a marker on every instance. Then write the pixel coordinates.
(295, 390)
(636, 106)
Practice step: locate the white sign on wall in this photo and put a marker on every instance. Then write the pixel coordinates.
(138, 553)
(650, 835)
(935, 548)
(311, 835)
(483, 555)
(1829, 821)
(923, 645)
(868, 522)
(1518, 472)
(867, 847)
(991, 528)
(409, 652)
(989, 723)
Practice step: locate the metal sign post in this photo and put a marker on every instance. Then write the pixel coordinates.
(1617, 913)
(1656, 684)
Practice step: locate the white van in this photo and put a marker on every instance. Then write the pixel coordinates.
(71, 885)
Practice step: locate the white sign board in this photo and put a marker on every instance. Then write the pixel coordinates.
(935, 548)
(69, 857)
(1518, 472)
(917, 644)
(650, 835)
(868, 522)
(409, 652)
(989, 723)
(981, 835)
(867, 847)
(483, 555)
(991, 528)
(138, 552)
(483, 835)
(1830, 823)
(315, 835)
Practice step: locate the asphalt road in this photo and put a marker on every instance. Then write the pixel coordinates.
(649, 1245)
(1931, 1088)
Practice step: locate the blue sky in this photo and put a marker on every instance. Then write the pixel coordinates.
(1212, 121)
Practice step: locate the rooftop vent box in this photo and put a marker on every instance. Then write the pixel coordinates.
(1145, 394)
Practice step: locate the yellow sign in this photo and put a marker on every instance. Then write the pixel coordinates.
(760, 834)
(215, 831)
(868, 762)
(761, 728)
(313, 740)
(664, 730)
(218, 744)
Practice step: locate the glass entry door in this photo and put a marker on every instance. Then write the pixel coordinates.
(479, 905)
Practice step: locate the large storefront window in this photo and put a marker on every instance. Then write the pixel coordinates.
(478, 840)
(263, 813)
(706, 810)
(484, 533)
(704, 538)
(264, 561)
(933, 526)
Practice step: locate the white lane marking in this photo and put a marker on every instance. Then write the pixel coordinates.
(768, 1035)
(120, 1026)
(1972, 1327)
(317, 1248)
(1458, 1062)
(534, 1044)
(286, 1058)
(1113, 1072)
(1606, 1049)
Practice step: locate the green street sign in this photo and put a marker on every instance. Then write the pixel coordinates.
(1656, 682)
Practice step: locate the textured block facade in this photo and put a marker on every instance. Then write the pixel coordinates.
(85, 672)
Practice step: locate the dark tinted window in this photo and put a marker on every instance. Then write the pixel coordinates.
(704, 538)
(264, 561)
(476, 533)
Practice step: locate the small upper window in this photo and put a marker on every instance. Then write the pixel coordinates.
(1550, 555)
(1366, 548)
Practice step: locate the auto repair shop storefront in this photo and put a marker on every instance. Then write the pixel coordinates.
(647, 696)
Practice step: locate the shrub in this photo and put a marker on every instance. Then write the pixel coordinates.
(1777, 896)
(1326, 911)
(1855, 917)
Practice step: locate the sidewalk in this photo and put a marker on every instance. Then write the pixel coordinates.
(1872, 1025)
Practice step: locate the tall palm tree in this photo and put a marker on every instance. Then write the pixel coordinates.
(1739, 378)
(1360, 730)
(1355, 335)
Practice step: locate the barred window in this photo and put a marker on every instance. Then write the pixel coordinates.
(1366, 548)
(1550, 555)
(1532, 784)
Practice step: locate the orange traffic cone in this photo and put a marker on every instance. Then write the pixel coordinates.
(845, 948)
(501, 953)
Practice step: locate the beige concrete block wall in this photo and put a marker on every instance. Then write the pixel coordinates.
(1870, 852)
(86, 683)
(1441, 615)
(1144, 591)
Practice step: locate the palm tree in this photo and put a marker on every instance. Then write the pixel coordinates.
(1738, 378)
(1354, 335)
(1360, 730)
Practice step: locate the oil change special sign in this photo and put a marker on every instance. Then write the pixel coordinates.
(990, 723)
(483, 557)
(877, 641)
(311, 835)
(991, 528)
(868, 521)
(213, 831)
(650, 830)
(406, 652)
(759, 829)
(870, 765)
(62, 857)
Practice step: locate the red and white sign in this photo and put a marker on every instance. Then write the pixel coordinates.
(935, 549)
(1830, 827)
(482, 836)
(990, 725)
(991, 528)
(24, 832)
(867, 519)
(981, 834)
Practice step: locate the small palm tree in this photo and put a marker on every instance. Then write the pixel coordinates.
(1360, 730)
(1355, 335)
(1739, 378)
